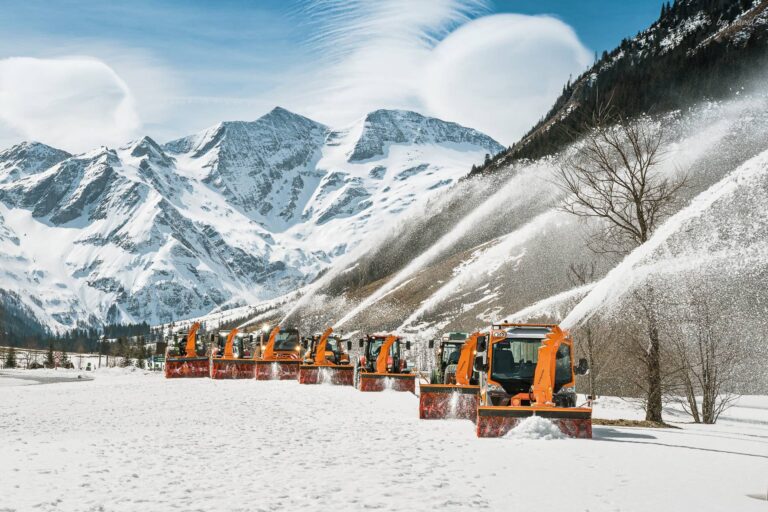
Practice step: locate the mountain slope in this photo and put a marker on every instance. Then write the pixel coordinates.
(238, 213)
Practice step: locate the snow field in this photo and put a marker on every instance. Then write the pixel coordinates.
(134, 440)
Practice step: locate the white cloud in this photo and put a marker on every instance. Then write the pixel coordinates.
(74, 103)
(497, 73)
(500, 74)
(371, 53)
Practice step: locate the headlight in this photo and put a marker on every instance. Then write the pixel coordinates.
(494, 387)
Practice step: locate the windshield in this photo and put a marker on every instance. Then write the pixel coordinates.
(515, 359)
(451, 353)
(287, 341)
(374, 346)
(563, 373)
(331, 344)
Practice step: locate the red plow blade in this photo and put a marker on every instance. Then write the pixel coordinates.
(342, 375)
(498, 421)
(448, 401)
(232, 368)
(386, 382)
(189, 367)
(277, 370)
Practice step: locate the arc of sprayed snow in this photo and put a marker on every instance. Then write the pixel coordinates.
(497, 253)
(621, 278)
(541, 306)
(470, 221)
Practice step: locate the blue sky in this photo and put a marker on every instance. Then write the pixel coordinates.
(175, 67)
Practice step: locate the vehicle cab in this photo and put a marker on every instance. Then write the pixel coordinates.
(242, 345)
(371, 346)
(335, 350)
(287, 345)
(448, 352)
(508, 364)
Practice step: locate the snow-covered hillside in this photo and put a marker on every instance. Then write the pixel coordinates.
(131, 441)
(238, 213)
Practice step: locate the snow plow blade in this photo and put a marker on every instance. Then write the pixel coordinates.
(496, 421)
(341, 375)
(277, 370)
(190, 367)
(232, 368)
(448, 401)
(386, 381)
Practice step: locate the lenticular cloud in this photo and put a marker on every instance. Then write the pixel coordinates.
(72, 103)
(501, 73)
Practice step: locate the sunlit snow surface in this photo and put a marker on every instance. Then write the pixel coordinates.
(132, 441)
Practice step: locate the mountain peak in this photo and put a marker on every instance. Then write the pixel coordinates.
(384, 127)
(147, 147)
(27, 158)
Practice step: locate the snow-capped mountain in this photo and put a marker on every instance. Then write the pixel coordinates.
(240, 212)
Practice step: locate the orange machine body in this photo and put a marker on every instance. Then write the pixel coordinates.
(319, 369)
(501, 410)
(279, 362)
(458, 397)
(229, 366)
(389, 370)
(189, 364)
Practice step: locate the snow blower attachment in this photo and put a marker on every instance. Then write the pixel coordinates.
(326, 361)
(182, 359)
(454, 392)
(382, 365)
(232, 356)
(280, 358)
(527, 370)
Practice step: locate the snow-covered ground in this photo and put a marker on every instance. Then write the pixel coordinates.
(135, 441)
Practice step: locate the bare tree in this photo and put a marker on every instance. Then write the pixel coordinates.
(707, 354)
(579, 275)
(613, 174)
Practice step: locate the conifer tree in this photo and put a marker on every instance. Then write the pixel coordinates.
(10, 358)
(50, 361)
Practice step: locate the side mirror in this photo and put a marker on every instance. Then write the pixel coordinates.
(480, 365)
(431, 343)
(482, 342)
(360, 342)
(349, 345)
(582, 368)
(250, 339)
(212, 337)
(407, 345)
(304, 343)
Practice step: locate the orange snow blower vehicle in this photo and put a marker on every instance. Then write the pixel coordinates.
(186, 358)
(232, 355)
(454, 392)
(326, 361)
(280, 358)
(528, 370)
(382, 364)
